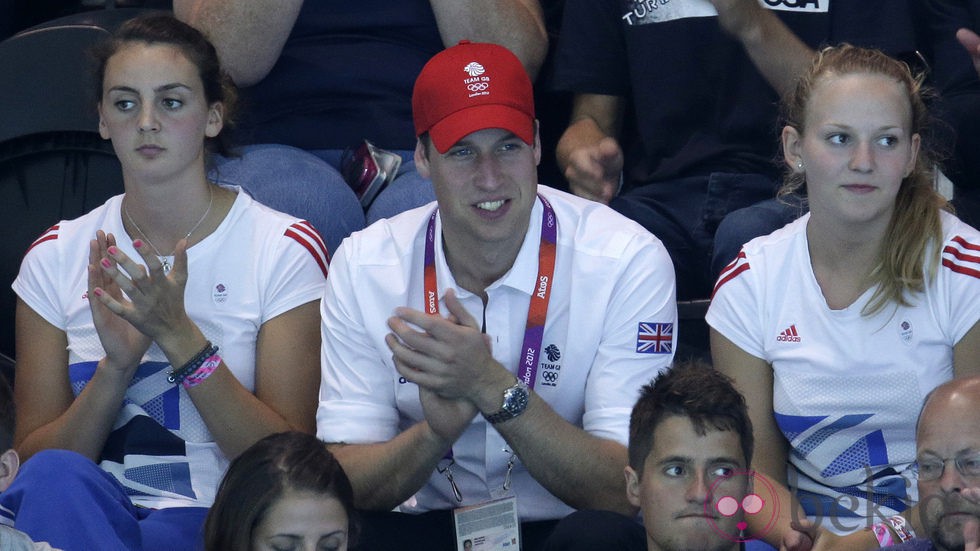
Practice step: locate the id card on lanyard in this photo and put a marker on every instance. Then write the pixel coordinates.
(490, 526)
(537, 313)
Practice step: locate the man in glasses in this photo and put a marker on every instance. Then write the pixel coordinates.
(948, 457)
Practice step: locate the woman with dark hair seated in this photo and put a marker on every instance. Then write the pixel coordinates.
(285, 492)
(166, 331)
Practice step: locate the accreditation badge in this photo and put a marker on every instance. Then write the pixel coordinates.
(489, 526)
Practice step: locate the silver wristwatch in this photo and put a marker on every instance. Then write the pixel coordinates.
(515, 402)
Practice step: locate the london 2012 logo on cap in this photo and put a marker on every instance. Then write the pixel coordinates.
(478, 82)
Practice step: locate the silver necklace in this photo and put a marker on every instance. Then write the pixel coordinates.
(165, 259)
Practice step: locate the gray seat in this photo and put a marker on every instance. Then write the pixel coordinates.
(53, 163)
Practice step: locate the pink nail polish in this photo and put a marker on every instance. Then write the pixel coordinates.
(113, 251)
(98, 292)
(106, 263)
(137, 243)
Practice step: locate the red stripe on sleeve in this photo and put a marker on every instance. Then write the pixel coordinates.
(49, 234)
(306, 236)
(730, 272)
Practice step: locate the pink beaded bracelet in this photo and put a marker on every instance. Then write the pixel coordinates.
(207, 368)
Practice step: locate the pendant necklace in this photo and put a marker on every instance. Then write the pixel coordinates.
(165, 259)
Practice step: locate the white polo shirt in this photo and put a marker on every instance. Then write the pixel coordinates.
(847, 388)
(613, 284)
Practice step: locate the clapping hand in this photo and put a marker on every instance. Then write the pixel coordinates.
(124, 345)
(148, 304)
(449, 359)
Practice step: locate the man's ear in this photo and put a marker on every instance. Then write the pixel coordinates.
(632, 486)
(537, 143)
(421, 159)
(9, 465)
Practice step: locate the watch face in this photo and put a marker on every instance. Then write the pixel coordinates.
(515, 402)
(515, 399)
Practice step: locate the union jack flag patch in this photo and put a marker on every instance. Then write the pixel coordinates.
(655, 338)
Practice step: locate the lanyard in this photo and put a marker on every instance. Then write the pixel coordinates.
(537, 312)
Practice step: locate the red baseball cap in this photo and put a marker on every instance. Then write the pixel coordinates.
(471, 87)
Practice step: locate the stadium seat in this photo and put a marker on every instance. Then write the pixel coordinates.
(53, 164)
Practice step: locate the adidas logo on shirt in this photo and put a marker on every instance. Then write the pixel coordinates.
(789, 335)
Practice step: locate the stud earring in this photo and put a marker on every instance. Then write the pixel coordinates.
(799, 164)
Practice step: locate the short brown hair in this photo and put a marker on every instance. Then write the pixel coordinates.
(692, 389)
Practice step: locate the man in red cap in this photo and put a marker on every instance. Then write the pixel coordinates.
(481, 354)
